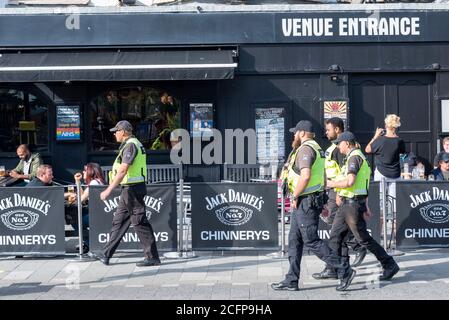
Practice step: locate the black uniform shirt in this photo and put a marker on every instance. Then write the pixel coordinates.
(129, 153)
(354, 164)
(305, 158)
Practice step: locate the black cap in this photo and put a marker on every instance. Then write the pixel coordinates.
(444, 157)
(122, 125)
(345, 136)
(303, 125)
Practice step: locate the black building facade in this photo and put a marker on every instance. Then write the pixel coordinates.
(126, 64)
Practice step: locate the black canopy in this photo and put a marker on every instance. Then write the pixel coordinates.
(116, 65)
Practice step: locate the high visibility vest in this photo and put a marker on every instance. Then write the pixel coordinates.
(333, 170)
(361, 185)
(137, 171)
(316, 182)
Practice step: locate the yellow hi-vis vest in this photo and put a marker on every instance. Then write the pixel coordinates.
(316, 182)
(333, 170)
(137, 171)
(361, 185)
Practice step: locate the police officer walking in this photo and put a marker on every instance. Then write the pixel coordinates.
(352, 193)
(334, 160)
(306, 179)
(130, 172)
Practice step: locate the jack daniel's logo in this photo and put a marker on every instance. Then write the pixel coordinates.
(433, 205)
(153, 205)
(22, 212)
(234, 208)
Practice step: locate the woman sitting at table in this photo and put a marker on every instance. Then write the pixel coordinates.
(92, 176)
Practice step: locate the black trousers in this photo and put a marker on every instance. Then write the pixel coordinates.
(131, 211)
(304, 231)
(349, 218)
(349, 241)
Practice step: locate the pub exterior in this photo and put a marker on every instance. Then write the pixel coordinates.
(67, 75)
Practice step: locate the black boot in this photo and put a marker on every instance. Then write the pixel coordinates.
(389, 271)
(327, 273)
(284, 286)
(346, 282)
(359, 257)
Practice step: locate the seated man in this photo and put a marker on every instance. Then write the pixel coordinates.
(44, 177)
(442, 172)
(27, 167)
(437, 158)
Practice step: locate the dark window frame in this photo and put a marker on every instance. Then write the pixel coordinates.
(31, 88)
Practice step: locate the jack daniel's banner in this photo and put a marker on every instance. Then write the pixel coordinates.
(422, 214)
(228, 216)
(372, 224)
(161, 211)
(32, 221)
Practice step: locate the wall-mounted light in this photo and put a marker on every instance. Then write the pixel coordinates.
(335, 68)
(435, 66)
(334, 77)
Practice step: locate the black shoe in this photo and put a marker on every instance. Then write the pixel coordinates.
(85, 248)
(100, 256)
(346, 282)
(389, 271)
(359, 257)
(284, 286)
(325, 274)
(147, 262)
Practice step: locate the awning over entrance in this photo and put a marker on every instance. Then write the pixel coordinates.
(117, 65)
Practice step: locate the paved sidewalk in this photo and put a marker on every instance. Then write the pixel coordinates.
(234, 275)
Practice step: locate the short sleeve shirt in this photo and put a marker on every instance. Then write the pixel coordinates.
(129, 153)
(305, 158)
(354, 164)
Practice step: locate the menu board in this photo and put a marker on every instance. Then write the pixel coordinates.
(68, 123)
(201, 119)
(270, 126)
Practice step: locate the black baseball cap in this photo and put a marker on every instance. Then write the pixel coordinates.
(444, 157)
(122, 125)
(345, 136)
(303, 125)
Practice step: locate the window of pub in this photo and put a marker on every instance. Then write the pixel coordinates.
(23, 119)
(153, 113)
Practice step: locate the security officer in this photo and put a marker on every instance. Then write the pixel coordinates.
(334, 160)
(130, 172)
(306, 178)
(352, 192)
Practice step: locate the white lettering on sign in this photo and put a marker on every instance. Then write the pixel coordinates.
(427, 233)
(132, 237)
(308, 27)
(27, 240)
(430, 195)
(350, 27)
(235, 235)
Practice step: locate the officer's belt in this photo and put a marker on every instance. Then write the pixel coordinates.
(355, 199)
(300, 198)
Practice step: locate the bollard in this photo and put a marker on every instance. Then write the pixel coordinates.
(281, 254)
(181, 253)
(81, 256)
(384, 211)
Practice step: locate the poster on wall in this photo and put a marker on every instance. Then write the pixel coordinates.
(270, 143)
(336, 109)
(201, 119)
(68, 123)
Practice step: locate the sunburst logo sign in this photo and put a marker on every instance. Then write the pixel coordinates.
(335, 109)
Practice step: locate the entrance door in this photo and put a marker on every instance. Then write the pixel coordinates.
(408, 95)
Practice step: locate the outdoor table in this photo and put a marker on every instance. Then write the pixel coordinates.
(9, 181)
